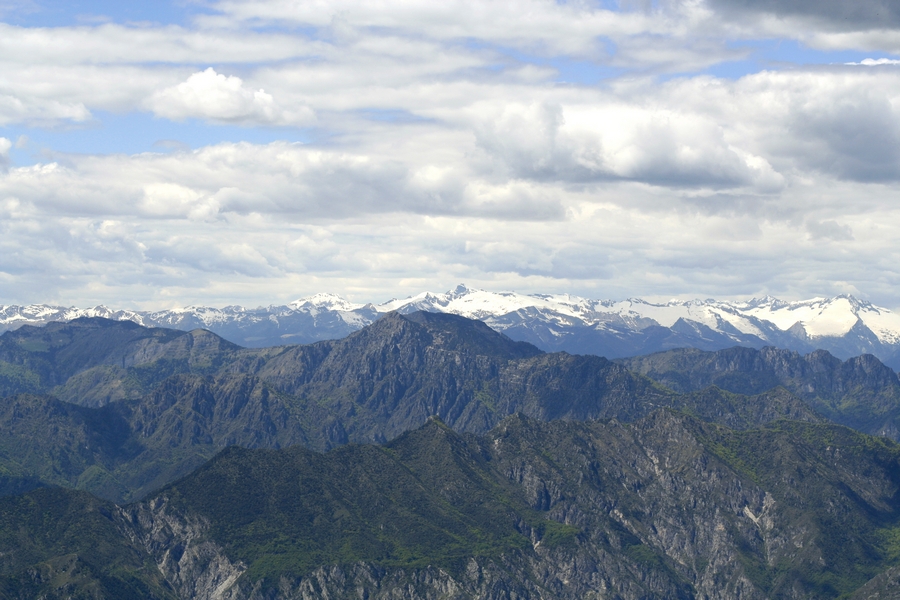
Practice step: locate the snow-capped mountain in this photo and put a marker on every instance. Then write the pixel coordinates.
(844, 325)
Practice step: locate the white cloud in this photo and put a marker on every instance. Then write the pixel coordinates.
(875, 62)
(5, 146)
(873, 40)
(690, 185)
(614, 140)
(38, 111)
(538, 25)
(114, 44)
(211, 95)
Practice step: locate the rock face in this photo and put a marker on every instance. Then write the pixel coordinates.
(195, 566)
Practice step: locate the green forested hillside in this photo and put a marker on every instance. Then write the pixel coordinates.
(668, 507)
(860, 392)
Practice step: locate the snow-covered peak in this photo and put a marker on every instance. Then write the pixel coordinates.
(325, 301)
(480, 304)
(818, 316)
(766, 301)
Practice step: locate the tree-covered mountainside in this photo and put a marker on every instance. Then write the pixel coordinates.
(199, 394)
(667, 507)
(57, 544)
(860, 392)
(95, 361)
(266, 473)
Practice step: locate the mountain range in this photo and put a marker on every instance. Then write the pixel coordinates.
(119, 410)
(428, 456)
(844, 326)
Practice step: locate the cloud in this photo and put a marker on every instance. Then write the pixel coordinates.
(113, 44)
(703, 143)
(210, 95)
(859, 138)
(841, 125)
(570, 28)
(39, 111)
(829, 230)
(542, 146)
(835, 14)
(5, 146)
(290, 180)
(229, 258)
(816, 124)
(875, 62)
(618, 140)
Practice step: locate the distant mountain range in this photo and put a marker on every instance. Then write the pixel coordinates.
(844, 325)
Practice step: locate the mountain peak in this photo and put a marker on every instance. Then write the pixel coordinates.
(325, 301)
(457, 333)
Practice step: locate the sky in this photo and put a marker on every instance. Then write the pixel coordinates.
(220, 152)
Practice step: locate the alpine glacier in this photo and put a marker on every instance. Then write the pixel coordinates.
(844, 325)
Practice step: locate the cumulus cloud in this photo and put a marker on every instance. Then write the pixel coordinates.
(211, 95)
(290, 180)
(620, 141)
(116, 44)
(615, 138)
(858, 137)
(841, 124)
(505, 190)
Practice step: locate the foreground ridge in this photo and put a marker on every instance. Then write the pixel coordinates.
(669, 507)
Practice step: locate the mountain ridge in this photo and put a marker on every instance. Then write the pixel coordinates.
(843, 325)
(144, 424)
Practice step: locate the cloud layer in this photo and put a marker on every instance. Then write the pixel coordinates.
(542, 146)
